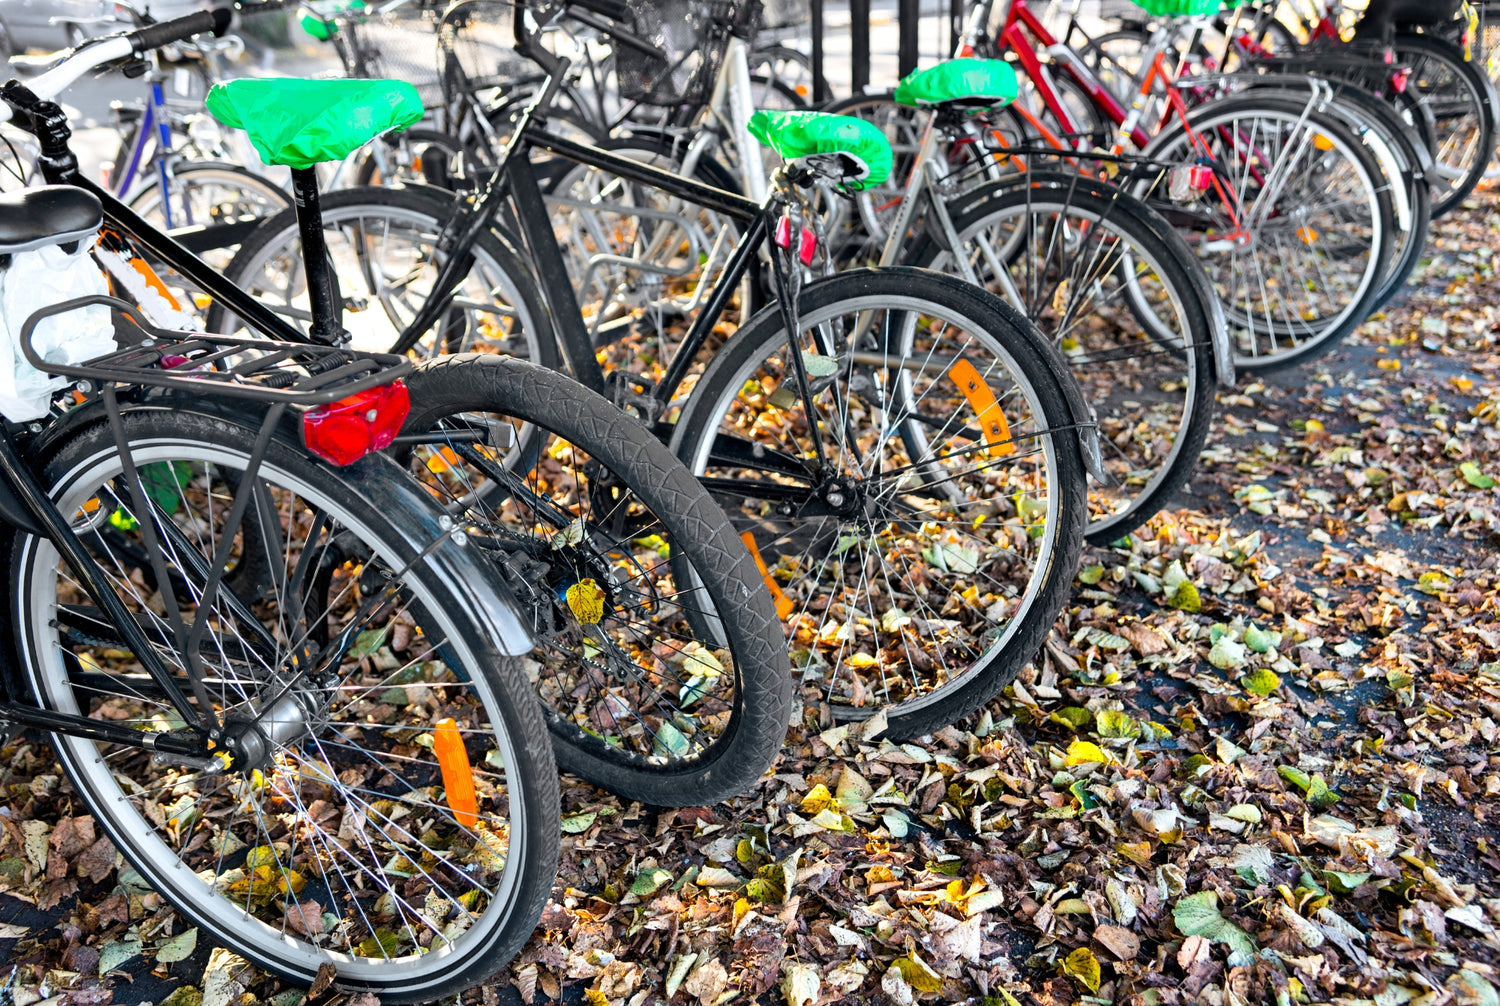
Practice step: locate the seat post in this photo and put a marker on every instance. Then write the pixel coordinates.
(322, 284)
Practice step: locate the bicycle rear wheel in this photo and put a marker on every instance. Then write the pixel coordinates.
(660, 666)
(1463, 108)
(917, 580)
(333, 837)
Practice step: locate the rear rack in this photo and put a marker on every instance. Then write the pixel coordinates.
(257, 369)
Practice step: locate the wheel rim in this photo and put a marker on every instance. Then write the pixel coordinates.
(829, 657)
(127, 811)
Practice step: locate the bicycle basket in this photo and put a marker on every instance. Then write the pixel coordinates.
(683, 32)
(476, 46)
(399, 45)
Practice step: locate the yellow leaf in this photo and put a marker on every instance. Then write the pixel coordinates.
(1388, 364)
(1313, 426)
(816, 799)
(1462, 383)
(918, 975)
(859, 661)
(1082, 964)
(879, 875)
(595, 998)
(1082, 752)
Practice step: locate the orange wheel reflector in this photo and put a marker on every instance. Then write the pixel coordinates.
(783, 603)
(1307, 235)
(1322, 142)
(458, 775)
(982, 401)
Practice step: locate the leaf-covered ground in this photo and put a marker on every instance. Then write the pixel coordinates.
(1259, 761)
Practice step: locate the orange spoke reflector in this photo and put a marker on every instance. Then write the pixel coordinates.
(458, 775)
(982, 401)
(1322, 142)
(783, 603)
(1307, 234)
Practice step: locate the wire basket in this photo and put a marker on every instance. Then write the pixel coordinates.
(476, 45)
(688, 35)
(399, 44)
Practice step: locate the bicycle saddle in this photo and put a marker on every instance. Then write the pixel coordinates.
(48, 215)
(299, 122)
(1182, 8)
(960, 83)
(852, 151)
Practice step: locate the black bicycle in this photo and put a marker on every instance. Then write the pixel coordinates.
(903, 453)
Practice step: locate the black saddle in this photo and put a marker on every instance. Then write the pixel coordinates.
(49, 215)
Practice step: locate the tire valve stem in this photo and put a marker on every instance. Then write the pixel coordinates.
(458, 774)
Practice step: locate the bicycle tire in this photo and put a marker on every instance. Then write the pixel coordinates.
(1147, 251)
(454, 654)
(1016, 357)
(628, 753)
(230, 182)
(1469, 93)
(1292, 333)
(503, 290)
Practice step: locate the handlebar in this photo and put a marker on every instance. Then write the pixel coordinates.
(103, 51)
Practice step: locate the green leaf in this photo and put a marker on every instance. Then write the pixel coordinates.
(1080, 791)
(1345, 883)
(577, 824)
(1198, 915)
(1114, 723)
(367, 642)
(178, 948)
(647, 882)
(1318, 793)
(1475, 477)
(1091, 575)
(1185, 598)
(1262, 681)
(1073, 717)
(383, 943)
(1295, 776)
(670, 743)
(1258, 640)
(1083, 965)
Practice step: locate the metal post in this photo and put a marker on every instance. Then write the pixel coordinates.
(322, 294)
(909, 19)
(955, 25)
(859, 24)
(820, 82)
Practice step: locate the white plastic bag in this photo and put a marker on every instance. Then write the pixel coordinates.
(38, 279)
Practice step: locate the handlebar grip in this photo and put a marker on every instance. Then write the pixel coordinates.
(178, 29)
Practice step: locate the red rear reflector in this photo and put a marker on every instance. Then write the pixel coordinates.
(1399, 79)
(347, 430)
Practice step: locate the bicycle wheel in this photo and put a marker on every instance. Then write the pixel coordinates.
(382, 247)
(409, 156)
(918, 580)
(1299, 252)
(209, 194)
(332, 837)
(1463, 106)
(640, 699)
(1081, 259)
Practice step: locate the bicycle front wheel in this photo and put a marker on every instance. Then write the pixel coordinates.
(1298, 243)
(209, 194)
(1084, 261)
(394, 813)
(914, 573)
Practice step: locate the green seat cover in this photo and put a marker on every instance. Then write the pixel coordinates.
(795, 135)
(1179, 8)
(977, 82)
(299, 122)
(318, 21)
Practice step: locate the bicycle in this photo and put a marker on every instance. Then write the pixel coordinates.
(814, 508)
(218, 583)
